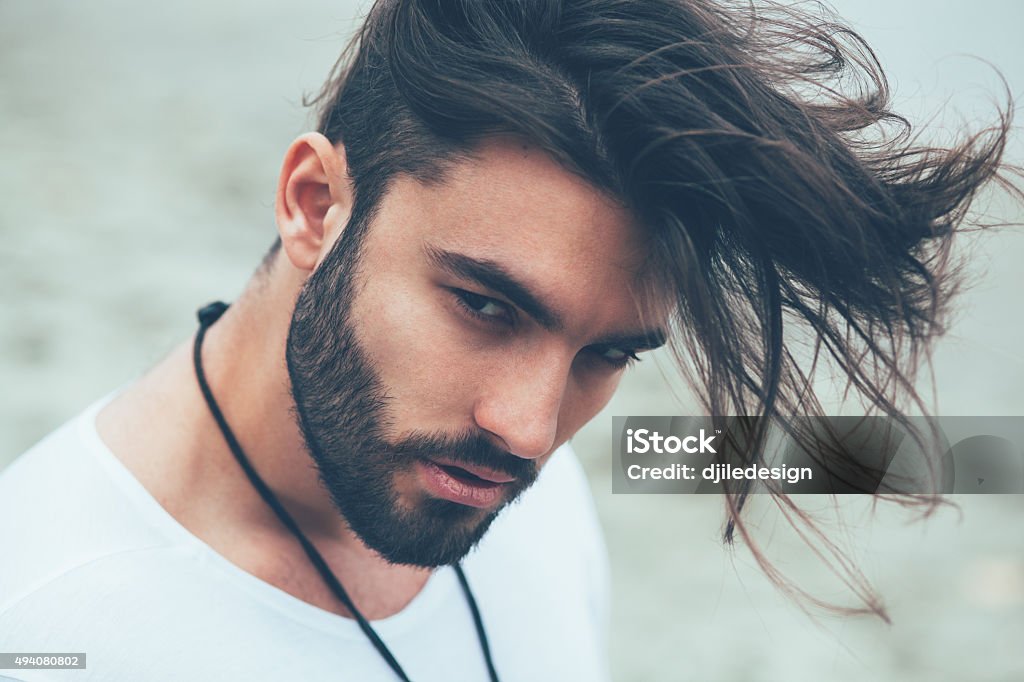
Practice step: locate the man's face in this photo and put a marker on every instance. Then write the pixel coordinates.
(478, 325)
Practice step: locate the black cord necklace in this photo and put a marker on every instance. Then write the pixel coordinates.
(207, 316)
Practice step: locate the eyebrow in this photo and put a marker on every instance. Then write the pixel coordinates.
(495, 277)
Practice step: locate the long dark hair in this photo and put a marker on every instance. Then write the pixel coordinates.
(754, 142)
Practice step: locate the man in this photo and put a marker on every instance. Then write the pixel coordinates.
(504, 204)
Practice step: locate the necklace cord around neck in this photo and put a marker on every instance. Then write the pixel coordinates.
(207, 316)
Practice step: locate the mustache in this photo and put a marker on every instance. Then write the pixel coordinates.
(467, 448)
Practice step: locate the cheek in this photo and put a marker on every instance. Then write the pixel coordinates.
(413, 350)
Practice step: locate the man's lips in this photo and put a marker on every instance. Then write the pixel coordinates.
(467, 484)
(487, 475)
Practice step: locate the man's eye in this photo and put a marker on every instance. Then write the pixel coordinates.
(483, 307)
(617, 357)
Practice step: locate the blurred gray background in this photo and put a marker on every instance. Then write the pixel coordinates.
(139, 148)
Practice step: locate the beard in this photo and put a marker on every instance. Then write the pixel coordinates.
(341, 407)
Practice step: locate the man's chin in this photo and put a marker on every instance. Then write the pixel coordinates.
(437, 533)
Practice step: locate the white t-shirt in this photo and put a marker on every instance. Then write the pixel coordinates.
(90, 562)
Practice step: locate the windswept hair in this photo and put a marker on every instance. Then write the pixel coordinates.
(755, 143)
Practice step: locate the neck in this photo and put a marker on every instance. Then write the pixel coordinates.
(161, 428)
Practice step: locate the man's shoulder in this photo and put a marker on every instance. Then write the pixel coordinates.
(62, 507)
(85, 565)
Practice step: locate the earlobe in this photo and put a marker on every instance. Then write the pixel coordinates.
(314, 199)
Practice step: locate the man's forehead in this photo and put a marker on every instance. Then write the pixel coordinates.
(508, 193)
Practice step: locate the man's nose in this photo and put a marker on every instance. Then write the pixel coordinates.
(521, 405)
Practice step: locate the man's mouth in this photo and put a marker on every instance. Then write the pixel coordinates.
(472, 472)
(466, 484)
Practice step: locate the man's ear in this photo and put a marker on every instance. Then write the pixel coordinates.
(314, 199)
